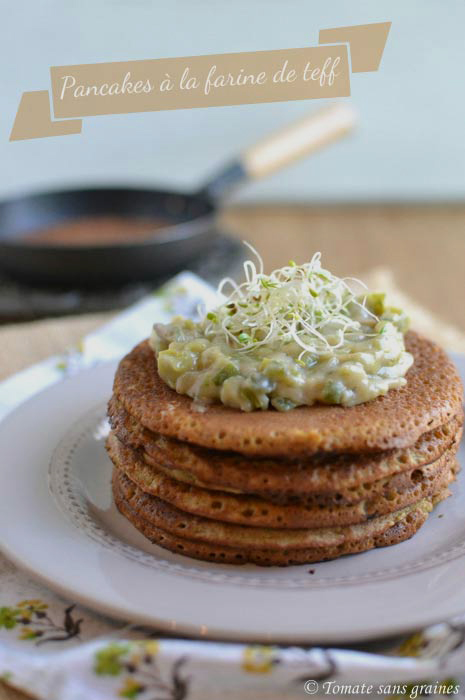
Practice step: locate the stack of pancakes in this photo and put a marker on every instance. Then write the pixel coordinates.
(272, 488)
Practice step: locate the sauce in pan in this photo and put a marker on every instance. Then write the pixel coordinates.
(97, 230)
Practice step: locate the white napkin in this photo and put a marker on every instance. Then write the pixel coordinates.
(59, 651)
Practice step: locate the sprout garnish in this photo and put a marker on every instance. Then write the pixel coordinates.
(302, 303)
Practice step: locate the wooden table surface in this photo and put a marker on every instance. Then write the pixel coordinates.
(423, 245)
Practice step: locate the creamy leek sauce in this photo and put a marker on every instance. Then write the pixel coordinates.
(295, 337)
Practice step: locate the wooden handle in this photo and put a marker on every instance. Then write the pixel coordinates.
(299, 139)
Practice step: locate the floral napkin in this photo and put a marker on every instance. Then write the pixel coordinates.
(57, 650)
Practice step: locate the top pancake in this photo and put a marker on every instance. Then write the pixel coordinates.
(432, 396)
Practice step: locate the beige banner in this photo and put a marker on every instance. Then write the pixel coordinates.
(201, 81)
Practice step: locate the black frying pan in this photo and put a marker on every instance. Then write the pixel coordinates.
(191, 218)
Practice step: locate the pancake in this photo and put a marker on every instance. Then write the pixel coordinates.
(400, 491)
(347, 477)
(380, 532)
(431, 397)
(171, 519)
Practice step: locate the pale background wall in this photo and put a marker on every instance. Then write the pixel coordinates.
(410, 144)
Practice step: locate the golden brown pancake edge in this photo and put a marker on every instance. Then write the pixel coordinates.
(398, 492)
(279, 479)
(400, 531)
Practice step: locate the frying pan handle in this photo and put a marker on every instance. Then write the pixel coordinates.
(283, 147)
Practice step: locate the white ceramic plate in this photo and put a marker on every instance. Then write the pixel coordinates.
(57, 520)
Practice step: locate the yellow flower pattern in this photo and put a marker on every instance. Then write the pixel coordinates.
(259, 659)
